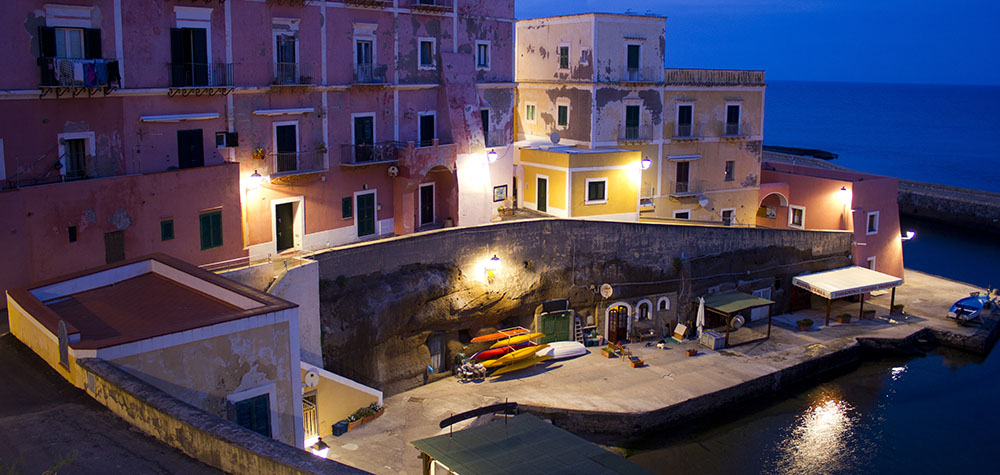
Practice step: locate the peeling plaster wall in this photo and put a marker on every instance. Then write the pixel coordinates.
(614, 32)
(537, 55)
(546, 115)
(203, 373)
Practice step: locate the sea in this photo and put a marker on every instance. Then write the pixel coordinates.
(914, 415)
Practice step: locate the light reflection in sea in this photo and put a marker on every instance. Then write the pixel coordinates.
(821, 439)
(897, 372)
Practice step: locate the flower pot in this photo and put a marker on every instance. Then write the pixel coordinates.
(354, 425)
(898, 308)
(844, 319)
(691, 352)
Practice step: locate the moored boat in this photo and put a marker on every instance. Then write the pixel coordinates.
(560, 350)
(505, 333)
(969, 309)
(527, 362)
(517, 339)
(498, 352)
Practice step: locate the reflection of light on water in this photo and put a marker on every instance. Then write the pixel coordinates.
(819, 442)
(897, 372)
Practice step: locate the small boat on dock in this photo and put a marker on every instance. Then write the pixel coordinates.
(969, 310)
(518, 339)
(560, 350)
(498, 352)
(505, 333)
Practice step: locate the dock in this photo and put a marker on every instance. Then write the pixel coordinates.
(606, 397)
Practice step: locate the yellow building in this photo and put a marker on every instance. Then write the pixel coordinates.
(576, 182)
(598, 81)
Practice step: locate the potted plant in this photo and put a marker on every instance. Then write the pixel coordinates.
(366, 415)
(691, 351)
(259, 153)
(868, 313)
(897, 308)
(376, 409)
(321, 147)
(352, 422)
(504, 210)
(805, 324)
(844, 318)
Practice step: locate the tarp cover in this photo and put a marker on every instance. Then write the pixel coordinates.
(734, 301)
(847, 281)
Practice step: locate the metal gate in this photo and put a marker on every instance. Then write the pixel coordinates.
(310, 417)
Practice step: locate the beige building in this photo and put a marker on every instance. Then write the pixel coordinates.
(598, 81)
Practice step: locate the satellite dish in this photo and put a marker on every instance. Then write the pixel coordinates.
(554, 137)
(311, 379)
(606, 290)
(737, 322)
(703, 201)
(393, 170)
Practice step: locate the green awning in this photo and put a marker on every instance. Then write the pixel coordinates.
(734, 301)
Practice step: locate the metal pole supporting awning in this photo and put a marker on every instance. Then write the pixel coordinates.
(845, 282)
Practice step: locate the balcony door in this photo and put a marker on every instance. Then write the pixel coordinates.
(631, 122)
(286, 147)
(287, 67)
(426, 131)
(364, 138)
(364, 57)
(190, 149)
(632, 61)
(188, 57)
(682, 177)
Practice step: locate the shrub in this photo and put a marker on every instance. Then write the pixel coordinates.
(805, 322)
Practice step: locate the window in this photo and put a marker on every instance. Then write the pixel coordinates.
(189, 58)
(563, 53)
(72, 233)
(584, 56)
(484, 116)
(254, 414)
(871, 262)
(796, 216)
(872, 223)
(364, 60)
(632, 62)
(347, 207)
(69, 43)
(75, 158)
(664, 303)
(562, 112)
(643, 311)
(426, 129)
(529, 113)
(682, 214)
(632, 122)
(732, 119)
(285, 64)
(482, 55)
(727, 216)
(685, 118)
(597, 191)
(166, 229)
(730, 165)
(211, 229)
(427, 53)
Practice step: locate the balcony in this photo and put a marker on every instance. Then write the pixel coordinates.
(287, 74)
(498, 138)
(434, 6)
(368, 74)
(684, 131)
(61, 76)
(637, 133)
(369, 154)
(200, 79)
(641, 75)
(296, 163)
(714, 77)
(417, 161)
(376, 4)
(732, 130)
(687, 188)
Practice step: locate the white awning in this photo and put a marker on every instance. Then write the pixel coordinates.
(838, 283)
(303, 110)
(683, 158)
(179, 117)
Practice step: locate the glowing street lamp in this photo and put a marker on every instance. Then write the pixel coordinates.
(320, 449)
(492, 266)
(909, 235)
(491, 156)
(645, 163)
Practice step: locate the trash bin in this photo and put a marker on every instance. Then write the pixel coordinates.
(340, 428)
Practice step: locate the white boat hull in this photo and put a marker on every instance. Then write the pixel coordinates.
(560, 350)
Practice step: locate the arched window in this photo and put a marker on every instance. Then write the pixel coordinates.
(663, 304)
(643, 312)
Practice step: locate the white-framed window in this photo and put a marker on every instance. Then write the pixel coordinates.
(685, 120)
(682, 214)
(733, 113)
(483, 55)
(562, 112)
(663, 304)
(196, 18)
(796, 216)
(76, 149)
(426, 128)
(285, 32)
(730, 172)
(69, 43)
(872, 223)
(871, 262)
(530, 108)
(728, 216)
(597, 191)
(256, 409)
(562, 53)
(427, 53)
(584, 56)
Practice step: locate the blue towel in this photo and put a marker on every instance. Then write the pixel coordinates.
(102, 73)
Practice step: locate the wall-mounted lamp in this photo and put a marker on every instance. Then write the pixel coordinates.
(320, 449)
(491, 156)
(255, 180)
(492, 266)
(645, 163)
(909, 235)
(845, 195)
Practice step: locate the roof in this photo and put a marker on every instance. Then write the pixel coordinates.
(595, 15)
(734, 301)
(138, 299)
(570, 149)
(847, 281)
(522, 445)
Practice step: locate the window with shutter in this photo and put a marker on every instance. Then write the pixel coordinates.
(210, 226)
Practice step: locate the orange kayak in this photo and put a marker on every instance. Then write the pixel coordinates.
(517, 339)
(505, 333)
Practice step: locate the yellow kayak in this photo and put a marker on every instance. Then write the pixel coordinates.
(517, 339)
(520, 365)
(513, 356)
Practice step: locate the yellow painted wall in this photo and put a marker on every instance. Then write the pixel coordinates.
(44, 343)
(335, 401)
(557, 178)
(622, 193)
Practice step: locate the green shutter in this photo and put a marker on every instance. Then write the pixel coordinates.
(217, 229)
(347, 207)
(166, 229)
(205, 225)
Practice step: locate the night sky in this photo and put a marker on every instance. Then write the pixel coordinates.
(887, 41)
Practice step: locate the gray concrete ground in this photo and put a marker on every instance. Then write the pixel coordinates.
(47, 423)
(592, 382)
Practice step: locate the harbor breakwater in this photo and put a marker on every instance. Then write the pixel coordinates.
(951, 205)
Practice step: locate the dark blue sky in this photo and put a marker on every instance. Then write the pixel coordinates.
(892, 41)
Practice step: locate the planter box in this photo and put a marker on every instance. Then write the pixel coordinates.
(844, 319)
(868, 314)
(606, 353)
(691, 352)
(354, 425)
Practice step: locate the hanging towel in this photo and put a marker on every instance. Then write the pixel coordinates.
(89, 75)
(65, 72)
(114, 77)
(77, 73)
(102, 73)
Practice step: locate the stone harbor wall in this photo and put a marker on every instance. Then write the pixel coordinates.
(971, 208)
(385, 305)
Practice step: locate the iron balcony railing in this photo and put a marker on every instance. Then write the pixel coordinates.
(644, 74)
(498, 138)
(369, 74)
(363, 154)
(201, 74)
(714, 77)
(57, 72)
(293, 162)
(684, 130)
(431, 5)
(286, 73)
(636, 132)
(687, 188)
(732, 129)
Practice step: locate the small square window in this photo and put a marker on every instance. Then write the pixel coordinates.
(872, 223)
(727, 217)
(597, 191)
(166, 229)
(563, 115)
(682, 215)
(482, 55)
(210, 225)
(796, 216)
(563, 57)
(529, 112)
(72, 233)
(426, 54)
(730, 166)
(347, 207)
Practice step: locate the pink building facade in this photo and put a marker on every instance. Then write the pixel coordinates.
(225, 130)
(801, 197)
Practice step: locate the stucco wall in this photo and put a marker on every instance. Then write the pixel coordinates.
(203, 373)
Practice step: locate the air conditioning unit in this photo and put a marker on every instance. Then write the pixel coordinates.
(226, 139)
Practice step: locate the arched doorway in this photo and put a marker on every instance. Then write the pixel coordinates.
(618, 324)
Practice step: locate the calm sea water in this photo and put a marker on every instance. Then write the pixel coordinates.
(932, 415)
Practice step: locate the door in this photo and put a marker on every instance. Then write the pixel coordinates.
(426, 130)
(632, 59)
(366, 214)
(284, 217)
(435, 343)
(426, 204)
(761, 312)
(365, 71)
(543, 195)
(285, 49)
(190, 149)
(618, 324)
(485, 116)
(683, 169)
(114, 246)
(286, 145)
(189, 57)
(364, 138)
(732, 120)
(556, 326)
(631, 122)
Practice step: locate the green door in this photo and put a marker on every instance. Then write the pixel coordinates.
(283, 219)
(543, 195)
(555, 326)
(366, 214)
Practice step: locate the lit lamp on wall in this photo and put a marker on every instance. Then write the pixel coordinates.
(320, 449)
(255, 180)
(846, 197)
(491, 156)
(492, 266)
(645, 163)
(909, 235)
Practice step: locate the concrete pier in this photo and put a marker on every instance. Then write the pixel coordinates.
(600, 395)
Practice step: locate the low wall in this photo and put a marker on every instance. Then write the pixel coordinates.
(212, 440)
(971, 208)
